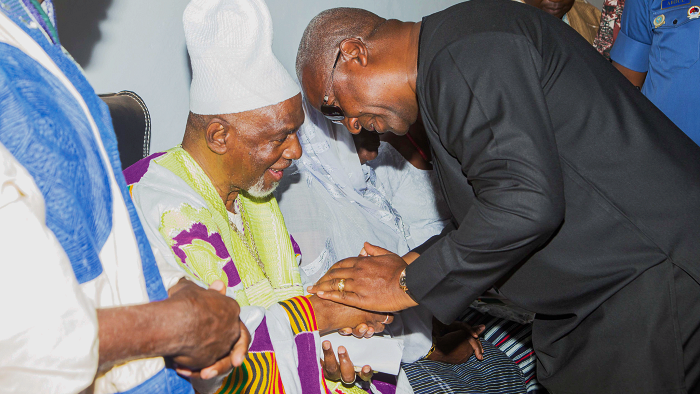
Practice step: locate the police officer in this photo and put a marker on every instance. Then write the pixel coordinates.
(657, 49)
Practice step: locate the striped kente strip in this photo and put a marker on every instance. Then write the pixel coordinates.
(301, 314)
(258, 374)
(515, 340)
(495, 374)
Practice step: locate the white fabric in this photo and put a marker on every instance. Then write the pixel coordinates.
(384, 354)
(233, 67)
(324, 193)
(332, 205)
(415, 194)
(158, 191)
(121, 282)
(47, 321)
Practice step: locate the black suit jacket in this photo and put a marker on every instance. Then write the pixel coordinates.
(565, 184)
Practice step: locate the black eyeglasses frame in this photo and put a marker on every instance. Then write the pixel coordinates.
(332, 112)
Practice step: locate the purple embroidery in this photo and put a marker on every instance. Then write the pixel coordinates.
(136, 171)
(199, 231)
(385, 383)
(308, 367)
(262, 342)
(231, 272)
(295, 245)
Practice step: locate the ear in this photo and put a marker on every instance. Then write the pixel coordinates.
(218, 131)
(353, 49)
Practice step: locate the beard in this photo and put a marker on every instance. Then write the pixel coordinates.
(259, 191)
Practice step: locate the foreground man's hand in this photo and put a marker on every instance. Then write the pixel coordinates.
(233, 359)
(343, 370)
(195, 326)
(370, 283)
(214, 324)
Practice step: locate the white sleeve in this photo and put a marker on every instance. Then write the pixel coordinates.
(48, 339)
(150, 202)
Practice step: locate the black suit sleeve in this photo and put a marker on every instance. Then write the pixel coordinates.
(485, 99)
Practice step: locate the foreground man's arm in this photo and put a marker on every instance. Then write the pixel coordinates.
(195, 326)
(50, 315)
(509, 154)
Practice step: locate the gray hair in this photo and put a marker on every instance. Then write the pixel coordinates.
(320, 40)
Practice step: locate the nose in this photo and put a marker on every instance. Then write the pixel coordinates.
(353, 125)
(293, 150)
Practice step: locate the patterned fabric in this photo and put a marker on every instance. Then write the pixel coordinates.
(63, 158)
(303, 323)
(301, 314)
(609, 26)
(495, 374)
(189, 225)
(164, 381)
(513, 339)
(207, 247)
(259, 372)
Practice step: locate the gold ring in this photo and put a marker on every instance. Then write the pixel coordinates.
(387, 319)
(341, 285)
(344, 382)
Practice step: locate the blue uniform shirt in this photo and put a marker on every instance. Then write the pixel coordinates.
(662, 38)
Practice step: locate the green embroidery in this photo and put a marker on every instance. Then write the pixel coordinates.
(267, 232)
(202, 261)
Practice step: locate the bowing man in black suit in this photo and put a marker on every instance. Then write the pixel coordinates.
(570, 192)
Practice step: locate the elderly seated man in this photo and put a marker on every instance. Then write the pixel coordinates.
(207, 205)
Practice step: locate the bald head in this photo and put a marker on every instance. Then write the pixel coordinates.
(319, 44)
(373, 83)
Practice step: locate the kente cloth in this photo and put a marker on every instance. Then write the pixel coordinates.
(513, 339)
(70, 210)
(495, 374)
(186, 222)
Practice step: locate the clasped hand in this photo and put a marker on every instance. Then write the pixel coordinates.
(368, 282)
(217, 339)
(331, 316)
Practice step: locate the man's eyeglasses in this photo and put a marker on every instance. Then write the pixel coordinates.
(332, 112)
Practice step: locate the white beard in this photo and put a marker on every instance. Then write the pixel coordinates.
(258, 190)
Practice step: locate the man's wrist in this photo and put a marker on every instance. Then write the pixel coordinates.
(141, 331)
(320, 312)
(410, 257)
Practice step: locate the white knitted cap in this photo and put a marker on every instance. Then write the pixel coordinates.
(233, 67)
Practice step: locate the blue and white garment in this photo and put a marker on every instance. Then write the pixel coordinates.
(60, 132)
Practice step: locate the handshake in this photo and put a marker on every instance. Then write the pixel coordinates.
(213, 339)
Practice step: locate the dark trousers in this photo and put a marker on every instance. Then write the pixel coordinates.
(688, 306)
(645, 340)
